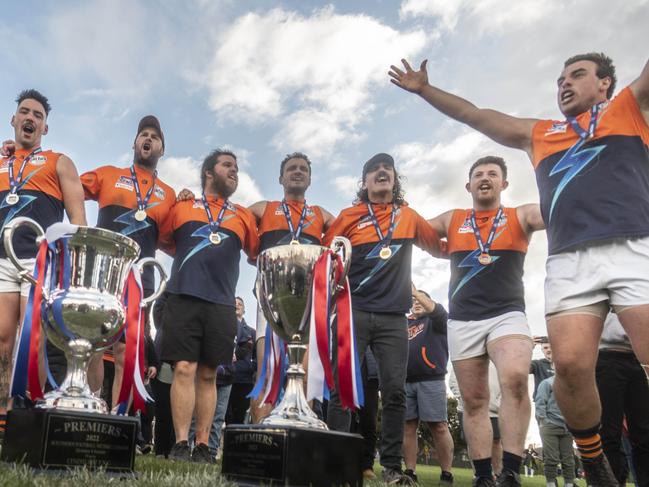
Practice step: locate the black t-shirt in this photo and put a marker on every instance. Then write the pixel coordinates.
(542, 369)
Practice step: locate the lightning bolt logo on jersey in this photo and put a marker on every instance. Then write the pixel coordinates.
(202, 269)
(40, 197)
(595, 188)
(478, 291)
(382, 285)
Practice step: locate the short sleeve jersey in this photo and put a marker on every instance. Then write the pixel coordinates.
(273, 227)
(40, 196)
(112, 187)
(597, 189)
(477, 291)
(382, 285)
(201, 268)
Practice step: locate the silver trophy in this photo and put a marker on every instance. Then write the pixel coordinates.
(90, 309)
(284, 283)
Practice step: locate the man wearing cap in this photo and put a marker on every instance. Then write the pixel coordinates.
(38, 184)
(132, 201)
(382, 229)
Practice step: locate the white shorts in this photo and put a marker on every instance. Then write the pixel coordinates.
(9, 280)
(615, 271)
(469, 339)
(261, 323)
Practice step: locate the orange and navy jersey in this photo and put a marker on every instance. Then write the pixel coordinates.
(200, 268)
(40, 195)
(273, 228)
(112, 188)
(378, 285)
(598, 189)
(476, 291)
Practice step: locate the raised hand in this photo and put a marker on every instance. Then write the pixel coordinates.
(185, 194)
(8, 148)
(410, 80)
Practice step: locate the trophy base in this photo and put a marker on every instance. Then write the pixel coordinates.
(53, 439)
(287, 455)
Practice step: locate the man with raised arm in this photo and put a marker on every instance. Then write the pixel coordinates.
(592, 171)
(38, 184)
(487, 245)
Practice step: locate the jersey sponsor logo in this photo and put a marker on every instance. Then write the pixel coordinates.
(159, 192)
(364, 221)
(38, 160)
(280, 212)
(557, 128)
(415, 330)
(124, 182)
(467, 228)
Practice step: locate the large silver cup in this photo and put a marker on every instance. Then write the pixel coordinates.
(284, 283)
(91, 308)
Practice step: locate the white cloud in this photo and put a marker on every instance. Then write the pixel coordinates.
(326, 63)
(346, 186)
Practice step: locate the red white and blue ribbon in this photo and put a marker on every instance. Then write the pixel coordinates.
(320, 377)
(273, 369)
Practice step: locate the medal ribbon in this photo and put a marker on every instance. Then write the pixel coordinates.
(385, 241)
(142, 205)
(14, 184)
(295, 234)
(594, 120)
(214, 226)
(485, 247)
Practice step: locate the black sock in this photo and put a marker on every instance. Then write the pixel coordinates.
(483, 468)
(512, 462)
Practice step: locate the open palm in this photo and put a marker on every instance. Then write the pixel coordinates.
(410, 80)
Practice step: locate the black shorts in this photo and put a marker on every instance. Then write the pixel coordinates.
(196, 330)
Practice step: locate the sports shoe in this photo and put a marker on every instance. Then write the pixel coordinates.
(484, 482)
(368, 474)
(445, 479)
(599, 473)
(392, 476)
(202, 454)
(410, 473)
(507, 478)
(180, 452)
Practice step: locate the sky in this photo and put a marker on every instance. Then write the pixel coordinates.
(266, 78)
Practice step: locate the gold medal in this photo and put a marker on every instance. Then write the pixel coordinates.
(295, 242)
(12, 199)
(485, 259)
(140, 215)
(215, 238)
(385, 253)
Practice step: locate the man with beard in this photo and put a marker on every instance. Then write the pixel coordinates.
(206, 237)
(39, 184)
(382, 230)
(592, 171)
(283, 222)
(134, 202)
(487, 246)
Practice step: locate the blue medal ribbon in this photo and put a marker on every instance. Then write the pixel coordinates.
(594, 119)
(142, 204)
(295, 234)
(215, 225)
(486, 246)
(14, 183)
(384, 240)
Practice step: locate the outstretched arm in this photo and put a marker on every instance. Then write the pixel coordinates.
(640, 89)
(258, 209)
(504, 129)
(530, 218)
(441, 223)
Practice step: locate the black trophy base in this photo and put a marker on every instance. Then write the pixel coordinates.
(261, 454)
(52, 439)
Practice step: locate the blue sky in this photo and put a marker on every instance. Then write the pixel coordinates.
(267, 78)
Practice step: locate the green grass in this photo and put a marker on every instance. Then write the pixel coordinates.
(154, 472)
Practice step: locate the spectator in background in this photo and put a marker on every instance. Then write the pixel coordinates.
(542, 368)
(425, 386)
(244, 368)
(557, 440)
(623, 392)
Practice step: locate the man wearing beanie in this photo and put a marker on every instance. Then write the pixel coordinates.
(382, 230)
(132, 201)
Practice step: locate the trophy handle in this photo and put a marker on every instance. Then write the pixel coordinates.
(141, 264)
(341, 243)
(8, 236)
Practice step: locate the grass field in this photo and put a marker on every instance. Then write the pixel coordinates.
(153, 472)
